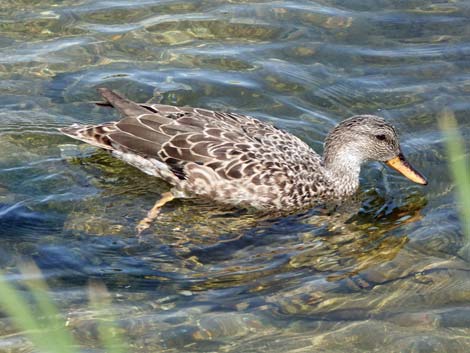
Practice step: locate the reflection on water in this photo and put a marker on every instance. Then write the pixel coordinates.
(381, 274)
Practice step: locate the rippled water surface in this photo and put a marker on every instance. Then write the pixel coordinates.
(385, 277)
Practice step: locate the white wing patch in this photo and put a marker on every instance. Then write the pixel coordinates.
(150, 166)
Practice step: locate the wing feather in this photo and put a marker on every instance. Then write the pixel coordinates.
(231, 144)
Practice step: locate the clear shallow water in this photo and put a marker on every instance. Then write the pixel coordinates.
(386, 277)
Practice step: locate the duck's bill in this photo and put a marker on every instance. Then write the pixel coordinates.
(400, 164)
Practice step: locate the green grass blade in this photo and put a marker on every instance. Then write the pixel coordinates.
(109, 333)
(459, 167)
(19, 311)
(53, 322)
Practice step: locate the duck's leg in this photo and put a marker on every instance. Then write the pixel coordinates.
(153, 213)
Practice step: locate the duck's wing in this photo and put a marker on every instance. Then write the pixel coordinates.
(176, 136)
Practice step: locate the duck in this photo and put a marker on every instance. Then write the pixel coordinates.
(238, 160)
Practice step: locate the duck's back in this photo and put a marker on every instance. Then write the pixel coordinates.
(230, 158)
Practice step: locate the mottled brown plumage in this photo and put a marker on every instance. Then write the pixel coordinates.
(236, 159)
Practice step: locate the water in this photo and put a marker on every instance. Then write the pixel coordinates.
(384, 278)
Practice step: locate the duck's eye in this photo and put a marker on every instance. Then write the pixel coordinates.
(380, 137)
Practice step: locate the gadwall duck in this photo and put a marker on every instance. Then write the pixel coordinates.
(238, 160)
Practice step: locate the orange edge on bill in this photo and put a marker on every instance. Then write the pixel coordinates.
(400, 164)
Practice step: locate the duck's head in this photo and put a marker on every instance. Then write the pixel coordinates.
(365, 138)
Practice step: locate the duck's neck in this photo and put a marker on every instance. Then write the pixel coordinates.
(343, 167)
